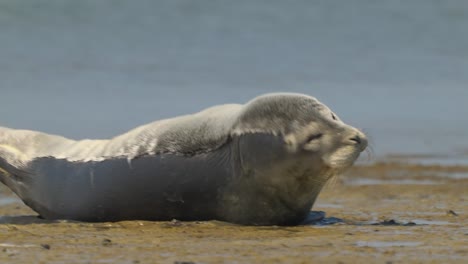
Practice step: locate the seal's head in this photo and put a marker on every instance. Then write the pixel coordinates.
(306, 126)
(289, 145)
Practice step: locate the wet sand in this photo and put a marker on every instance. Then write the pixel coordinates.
(381, 213)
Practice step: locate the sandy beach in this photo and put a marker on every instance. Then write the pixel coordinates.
(380, 213)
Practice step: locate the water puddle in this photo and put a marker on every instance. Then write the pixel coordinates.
(327, 205)
(452, 171)
(384, 244)
(429, 222)
(449, 160)
(395, 232)
(364, 181)
(414, 222)
(318, 218)
(453, 175)
(406, 213)
(8, 200)
(457, 175)
(8, 245)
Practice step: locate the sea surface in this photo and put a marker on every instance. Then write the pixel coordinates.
(94, 69)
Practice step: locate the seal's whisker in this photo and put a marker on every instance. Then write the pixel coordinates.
(370, 153)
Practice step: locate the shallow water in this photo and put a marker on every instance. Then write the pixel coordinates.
(450, 159)
(6, 200)
(428, 222)
(88, 69)
(383, 244)
(362, 181)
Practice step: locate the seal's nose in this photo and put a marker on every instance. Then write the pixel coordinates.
(359, 139)
(356, 139)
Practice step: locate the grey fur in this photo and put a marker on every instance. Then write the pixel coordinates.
(260, 163)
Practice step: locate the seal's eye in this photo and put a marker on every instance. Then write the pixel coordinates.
(314, 137)
(334, 116)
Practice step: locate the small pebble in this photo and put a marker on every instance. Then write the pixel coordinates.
(45, 246)
(106, 242)
(176, 222)
(451, 212)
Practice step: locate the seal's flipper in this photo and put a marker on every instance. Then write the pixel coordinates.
(8, 171)
(13, 171)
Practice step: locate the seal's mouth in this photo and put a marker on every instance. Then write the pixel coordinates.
(345, 156)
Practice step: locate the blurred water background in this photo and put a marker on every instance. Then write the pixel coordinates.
(94, 69)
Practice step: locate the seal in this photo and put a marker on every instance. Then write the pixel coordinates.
(262, 163)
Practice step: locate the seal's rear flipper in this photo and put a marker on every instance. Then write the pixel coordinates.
(9, 172)
(12, 173)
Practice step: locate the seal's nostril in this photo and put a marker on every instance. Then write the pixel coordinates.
(356, 139)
